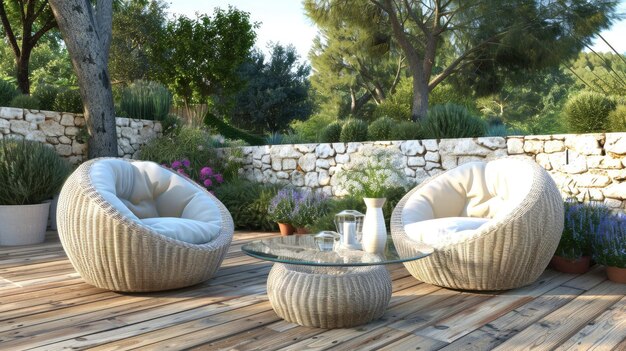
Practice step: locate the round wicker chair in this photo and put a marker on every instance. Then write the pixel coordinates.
(511, 249)
(111, 246)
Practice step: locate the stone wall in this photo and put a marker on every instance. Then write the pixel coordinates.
(66, 131)
(589, 166)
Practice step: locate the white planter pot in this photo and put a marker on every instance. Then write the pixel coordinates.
(52, 218)
(374, 228)
(23, 224)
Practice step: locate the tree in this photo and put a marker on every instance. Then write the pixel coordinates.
(353, 64)
(601, 72)
(24, 24)
(276, 91)
(489, 36)
(200, 57)
(86, 30)
(136, 24)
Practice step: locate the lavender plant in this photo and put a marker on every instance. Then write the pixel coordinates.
(308, 208)
(581, 225)
(609, 245)
(282, 205)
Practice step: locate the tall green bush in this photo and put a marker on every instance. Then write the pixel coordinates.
(588, 112)
(8, 91)
(380, 129)
(331, 133)
(47, 95)
(68, 100)
(30, 172)
(353, 130)
(146, 100)
(617, 119)
(406, 130)
(248, 203)
(25, 101)
(452, 121)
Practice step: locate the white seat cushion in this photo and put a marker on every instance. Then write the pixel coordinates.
(147, 193)
(444, 231)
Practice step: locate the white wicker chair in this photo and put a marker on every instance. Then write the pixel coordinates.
(110, 245)
(525, 220)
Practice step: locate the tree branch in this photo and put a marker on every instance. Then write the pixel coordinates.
(9, 31)
(50, 23)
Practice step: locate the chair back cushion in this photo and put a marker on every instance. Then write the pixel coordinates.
(158, 198)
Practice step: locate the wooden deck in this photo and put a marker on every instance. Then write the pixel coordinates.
(44, 305)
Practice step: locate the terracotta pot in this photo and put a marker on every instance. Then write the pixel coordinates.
(285, 228)
(577, 266)
(616, 274)
(302, 230)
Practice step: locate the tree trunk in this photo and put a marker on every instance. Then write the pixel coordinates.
(23, 81)
(419, 108)
(87, 32)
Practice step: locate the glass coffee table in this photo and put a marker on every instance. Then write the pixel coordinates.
(339, 288)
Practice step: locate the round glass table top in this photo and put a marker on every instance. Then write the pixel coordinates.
(311, 251)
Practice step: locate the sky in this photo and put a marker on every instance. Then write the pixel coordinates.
(284, 21)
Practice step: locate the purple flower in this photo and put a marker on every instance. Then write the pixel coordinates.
(176, 164)
(206, 172)
(218, 178)
(186, 163)
(182, 172)
(208, 183)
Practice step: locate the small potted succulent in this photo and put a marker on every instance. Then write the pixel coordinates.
(573, 255)
(31, 174)
(308, 208)
(609, 247)
(281, 208)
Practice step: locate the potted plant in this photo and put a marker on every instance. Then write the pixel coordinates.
(609, 247)
(31, 174)
(280, 210)
(369, 175)
(308, 208)
(573, 255)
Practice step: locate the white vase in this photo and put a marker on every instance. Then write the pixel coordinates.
(23, 224)
(374, 229)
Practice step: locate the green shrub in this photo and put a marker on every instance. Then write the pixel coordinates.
(311, 129)
(146, 100)
(497, 130)
(588, 112)
(452, 121)
(331, 133)
(617, 119)
(353, 130)
(68, 100)
(406, 130)
(274, 139)
(231, 132)
(380, 129)
(293, 138)
(8, 91)
(30, 172)
(248, 203)
(46, 94)
(25, 101)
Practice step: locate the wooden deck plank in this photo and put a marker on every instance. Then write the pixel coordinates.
(554, 329)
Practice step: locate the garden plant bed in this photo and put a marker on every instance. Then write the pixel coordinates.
(44, 304)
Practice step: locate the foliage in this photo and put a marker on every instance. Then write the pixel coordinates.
(609, 245)
(406, 130)
(146, 100)
(8, 91)
(282, 205)
(380, 129)
(200, 57)
(308, 207)
(452, 121)
(353, 130)
(68, 100)
(46, 94)
(397, 106)
(136, 25)
(371, 172)
(30, 172)
(604, 73)
(274, 139)
(310, 129)
(25, 101)
(204, 176)
(581, 225)
(331, 133)
(231, 132)
(588, 112)
(276, 91)
(617, 119)
(248, 203)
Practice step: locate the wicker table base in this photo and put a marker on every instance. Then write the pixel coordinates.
(328, 297)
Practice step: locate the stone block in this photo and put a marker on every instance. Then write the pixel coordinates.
(585, 144)
(11, 113)
(592, 180)
(52, 128)
(544, 161)
(297, 178)
(409, 172)
(340, 148)
(431, 165)
(284, 151)
(36, 117)
(612, 203)
(533, 146)
(65, 140)
(79, 121)
(307, 162)
(311, 180)
(324, 151)
(305, 148)
(604, 162)
(615, 143)
(5, 126)
(616, 175)
(282, 175)
(52, 115)
(79, 149)
(412, 148)
(270, 177)
(158, 127)
(20, 127)
(122, 122)
(430, 144)
(551, 146)
(515, 146)
(259, 151)
(615, 191)
(353, 147)
(289, 164)
(323, 178)
(448, 162)
(72, 131)
(266, 159)
(67, 119)
(64, 149)
(492, 143)
(342, 158)
(468, 159)
(52, 140)
(322, 164)
(420, 175)
(257, 164)
(277, 164)
(36, 135)
(417, 161)
(136, 124)
(432, 156)
(462, 147)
